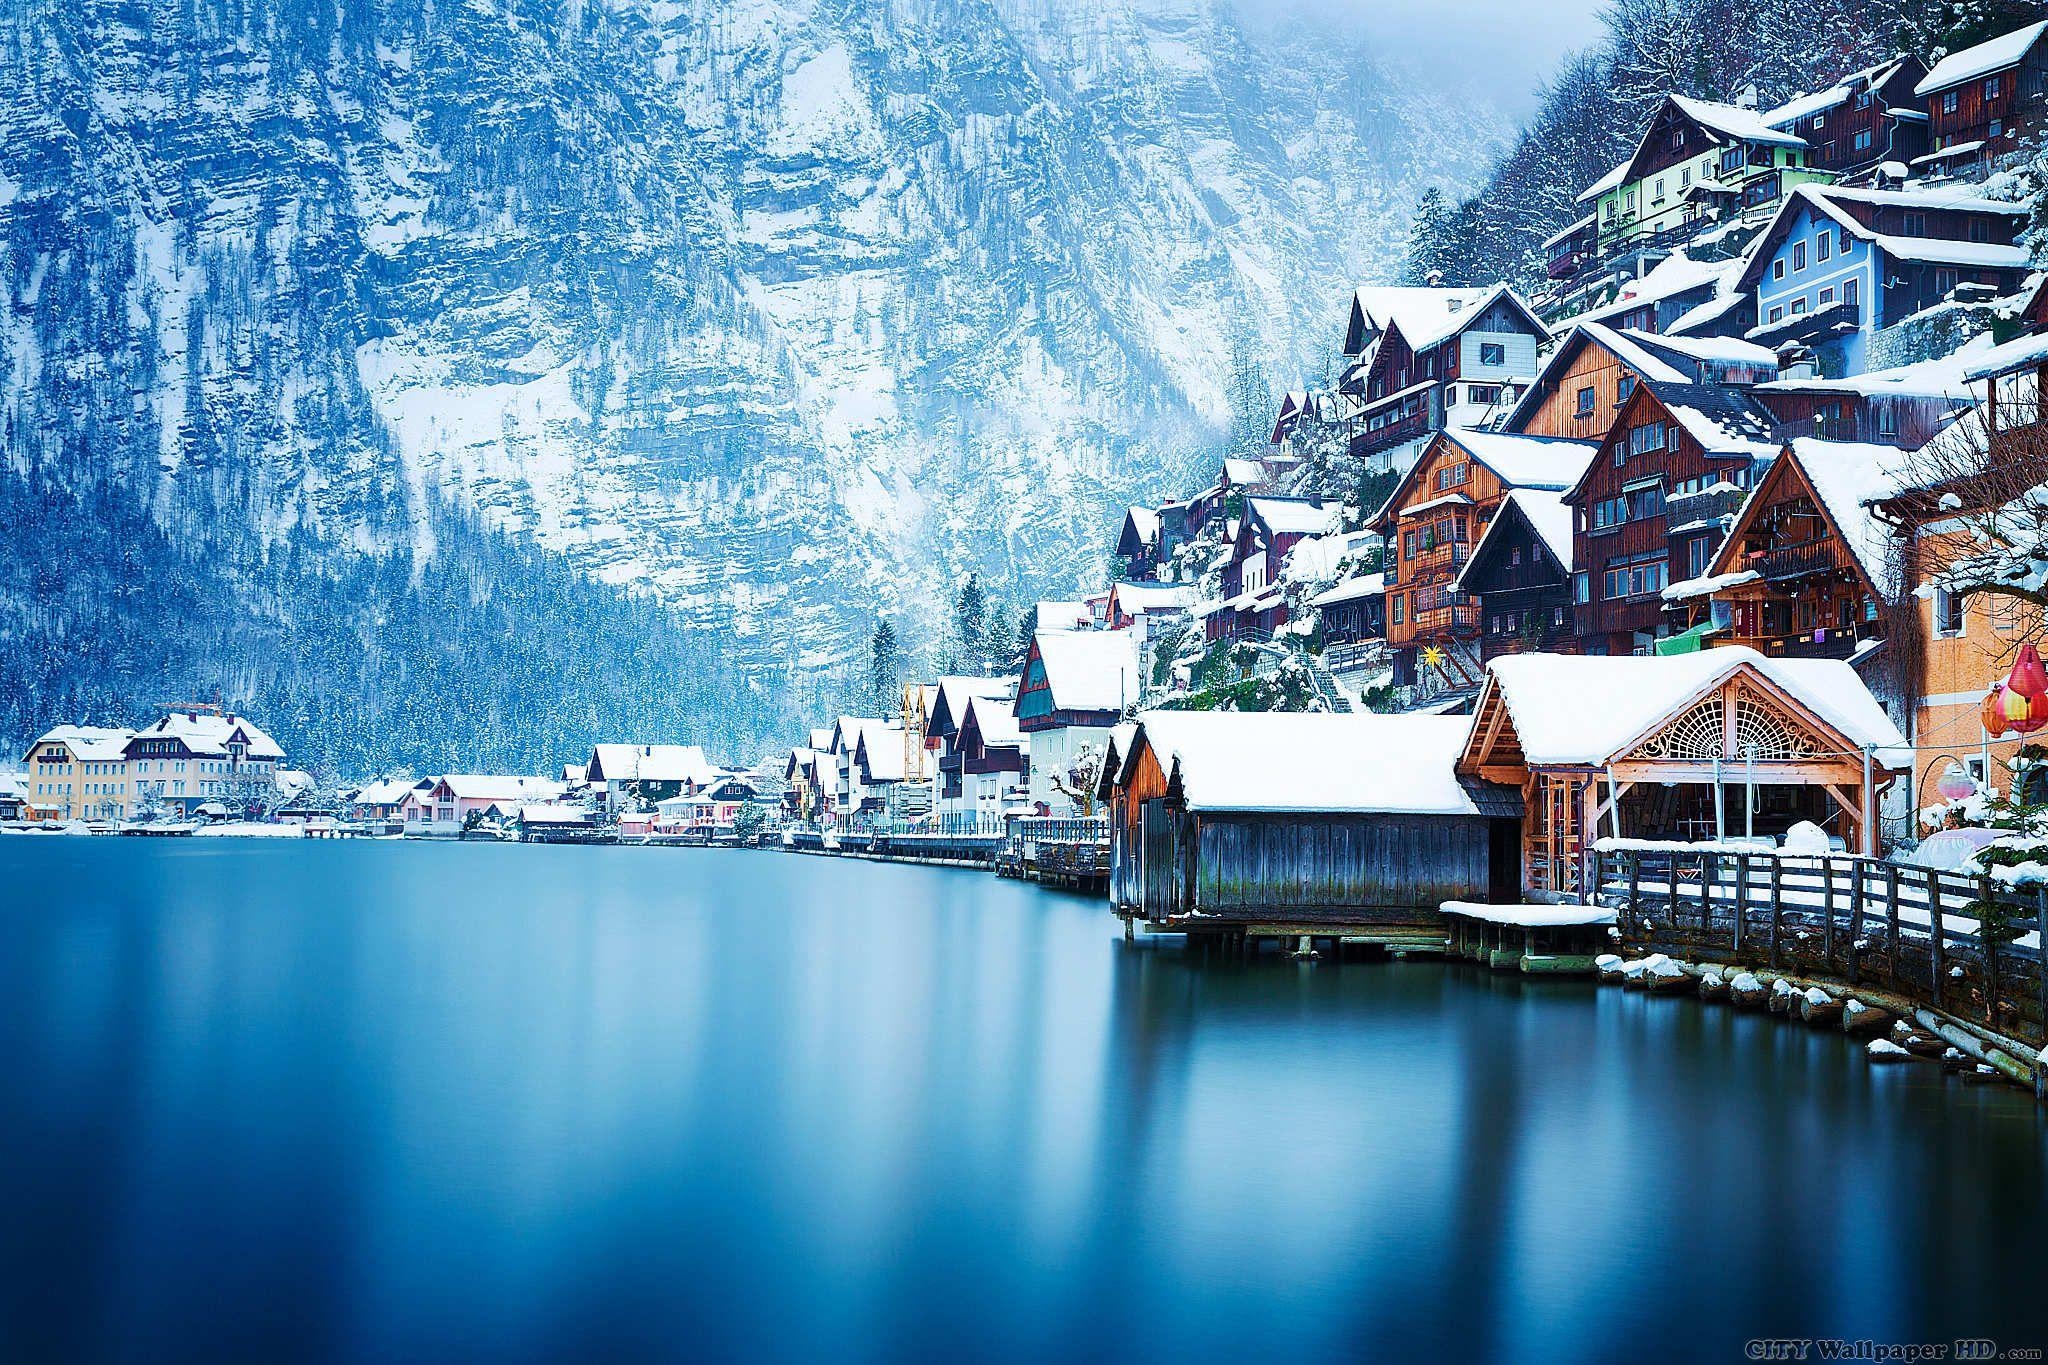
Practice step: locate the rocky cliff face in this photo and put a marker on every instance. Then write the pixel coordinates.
(774, 309)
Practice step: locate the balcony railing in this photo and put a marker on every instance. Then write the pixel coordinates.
(1460, 620)
(1417, 423)
(1796, 561)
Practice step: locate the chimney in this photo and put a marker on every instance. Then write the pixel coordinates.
(1434, 279)
(1797, 362)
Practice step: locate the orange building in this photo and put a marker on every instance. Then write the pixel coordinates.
(1431, 522)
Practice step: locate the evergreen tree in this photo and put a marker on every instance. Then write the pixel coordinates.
(1250, 392)
(885, 669)
(1432, 252)
(970, 625)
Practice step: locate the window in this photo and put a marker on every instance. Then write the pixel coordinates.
(1628, 202)
(1948, 613)
(1515, 557)
(1946, 278)
(1646, 502)
(1843, 241)
(1820, 121)
(1849, 292)
(1636, 576)
(1493, 353)
(1451, 475)
(1916, 224)
(1822, 246)
(1827, 296)
(1861, 142)
(1997, 128)
(1400, 607)
(1948, 102)
(1778, 268)
(1645, 438)
(1994, 86)
(1887, 419)
(1798, 305)
(1657, 195)
(1684, 176)
(1699, 556)
(1624, 389)
(1586, 402)
(1799, 255)
(1980, 230)
(1677, 139)
(1777, 315)
(1863, 99)
(1609, 513)
(1582, 587)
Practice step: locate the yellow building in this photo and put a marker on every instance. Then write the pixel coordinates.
(78, 772)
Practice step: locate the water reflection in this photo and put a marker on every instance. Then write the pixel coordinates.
(400, 1102)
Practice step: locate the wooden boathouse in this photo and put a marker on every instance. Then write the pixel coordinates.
(1716, 745)
(1353, 827)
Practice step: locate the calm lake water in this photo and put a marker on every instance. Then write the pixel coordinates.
(378, 1102)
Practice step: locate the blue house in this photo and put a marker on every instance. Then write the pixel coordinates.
(1836, 265)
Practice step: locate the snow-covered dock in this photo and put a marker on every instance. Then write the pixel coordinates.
(1539, 939)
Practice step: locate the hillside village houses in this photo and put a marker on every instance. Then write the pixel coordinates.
(1694, 454)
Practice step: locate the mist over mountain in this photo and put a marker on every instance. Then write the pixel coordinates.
(773, 315)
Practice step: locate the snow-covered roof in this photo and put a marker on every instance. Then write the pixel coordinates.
(649, 763)
(501, 787)
(1820, 101)
(1089, 670)
(1421, 311)
(1733, 121)
(996, 722)
(1848, 476)
(88, 743)
(1365, 585)
(547, 813)
(1562, 233)
(1287, 516)
(387, 792)
(1950, 152)
(1944, 377)
(1828, 200)
(1416, 509)
(1144, 521)
(1527, 461)
(1312, 762)
(2017, 354)
(1942, 251)
(1686, 589)
(1676, 274)
(1549, 515)
(1586, 709)
(1983, 59)
(208, 735)
(1064, 615)
(1605, 182)
(1953, 198)
(1701, 316)
(1138, 598)
(1242, 471)
(880, 751)
(1707, 350)
(1723, 420)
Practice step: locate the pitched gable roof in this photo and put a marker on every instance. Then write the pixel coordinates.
(1845, 477)
(1308, 762)
(648, 763)
(1087, 670)
(1870, 78)
(1547, 515)
(1995, 55)
(1827, 200)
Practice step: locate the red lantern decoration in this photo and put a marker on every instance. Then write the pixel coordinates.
(2026, 693)
(1993, 711)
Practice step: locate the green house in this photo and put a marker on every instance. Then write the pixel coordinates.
(1699, 166)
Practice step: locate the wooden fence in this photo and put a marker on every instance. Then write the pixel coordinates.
(1968, 945)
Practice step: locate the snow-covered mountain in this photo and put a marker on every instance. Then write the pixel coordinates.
(777, 308)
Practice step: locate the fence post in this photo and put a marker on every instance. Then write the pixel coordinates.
(1741, 895)
(1985, 939)
(1827, 912)
(2041, 969)
(1855, 915)
(1777, 905)
(1709, 864)
(1938, 957)
(1635, 882)
(1891, 920)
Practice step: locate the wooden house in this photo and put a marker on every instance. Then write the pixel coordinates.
(1710, 745)
(1270, 528)
(1836, 265)
(1650, 510)
(1906, 407)
(1594, 371)
(446, 805)
(1433, 359)
(631, 774)
(1302, 824)
(1430, 523)
(1807, 570)
(1520, 574)
(1076, 686)
(1866, 119)
(1354, 611)
(1697, 165)
(1679, 295)
(949, 712)
(1985, 103)
(1138, 543)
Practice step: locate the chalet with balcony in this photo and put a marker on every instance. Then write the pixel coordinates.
(1137, 543)
(1571, 249)
(988, 763)
(1354, 615)
(1837, 265)
(1861, 121)
(1808, 570)
(1652, 507)
(1678, 295)
(1431, 359)
(1266, 532)
(1698, 165)
(1985, 103)
(1430, 523)
(1520, 574)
